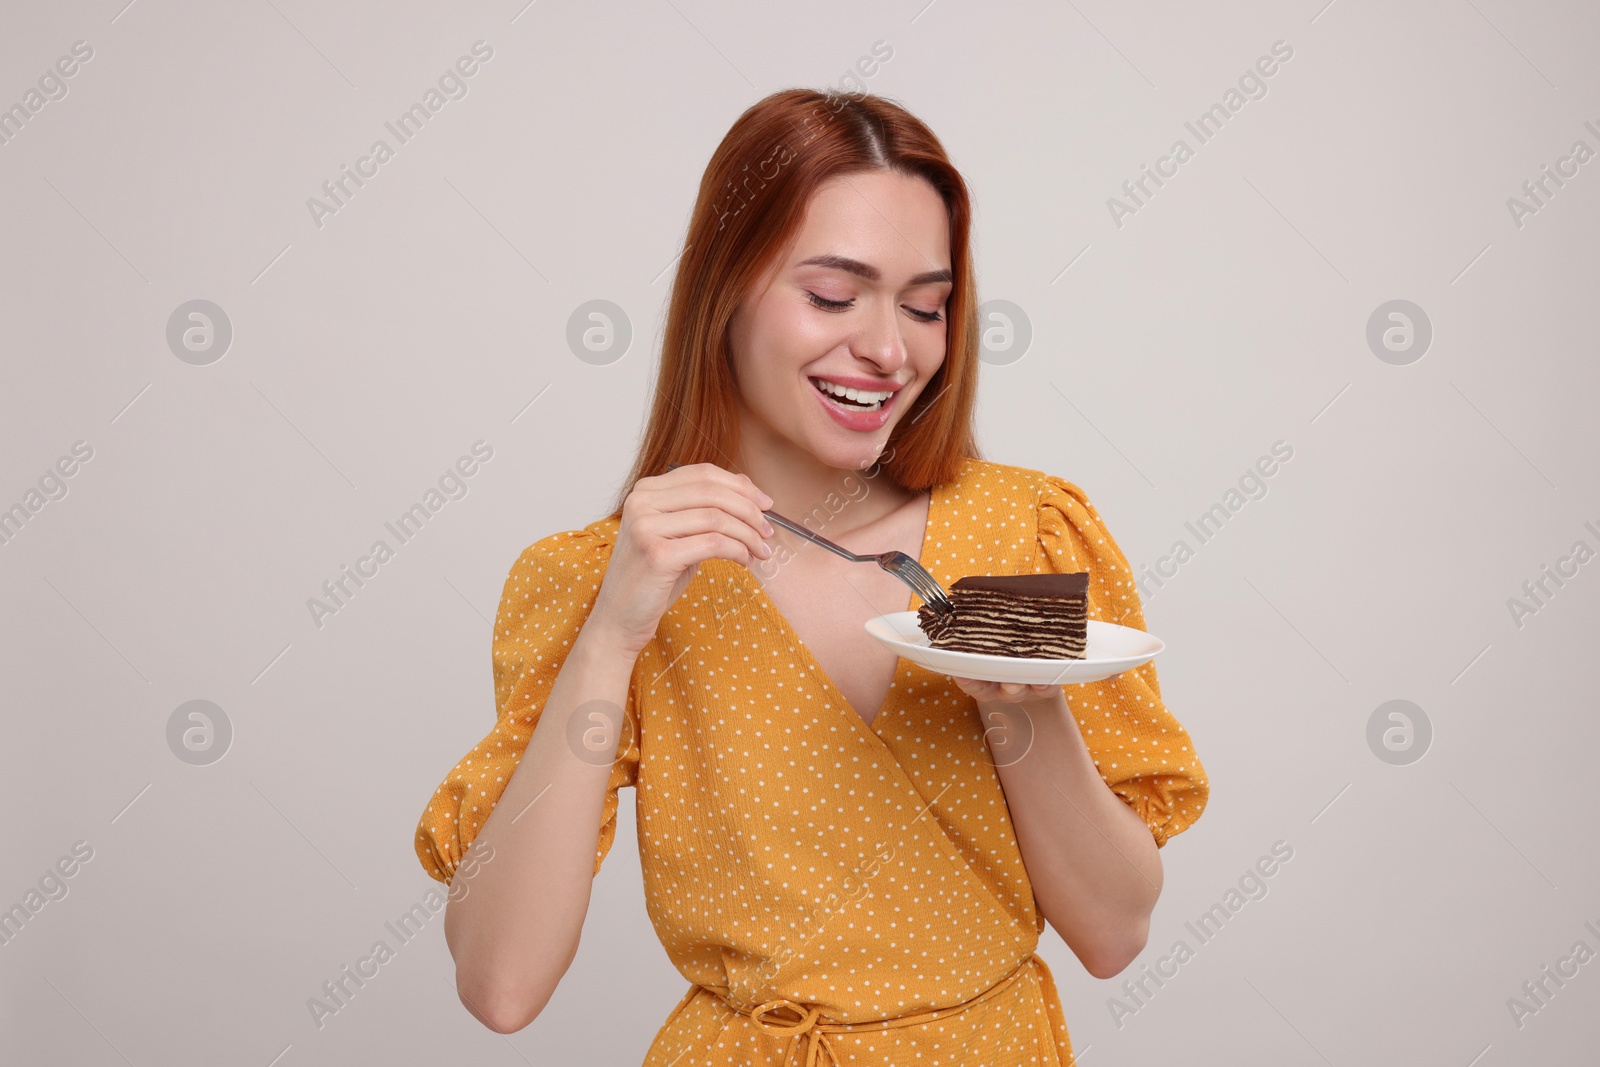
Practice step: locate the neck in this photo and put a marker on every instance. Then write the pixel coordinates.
(802, 485)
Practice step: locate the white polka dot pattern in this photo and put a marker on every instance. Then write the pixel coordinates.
(792, 852)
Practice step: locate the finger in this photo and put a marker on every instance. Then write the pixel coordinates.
(715, 475)
(704, 520)
(709, 495)
(681, 553)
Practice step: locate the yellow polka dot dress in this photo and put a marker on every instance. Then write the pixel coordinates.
(836, 892)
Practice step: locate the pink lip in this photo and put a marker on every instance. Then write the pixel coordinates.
(860, 421)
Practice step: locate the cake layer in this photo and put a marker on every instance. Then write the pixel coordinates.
(1041, 616)
(1011, 641)
(978, 624)
(1014, 649)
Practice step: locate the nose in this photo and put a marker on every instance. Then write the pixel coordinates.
(880, 342)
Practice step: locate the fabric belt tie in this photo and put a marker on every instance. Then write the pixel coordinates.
(805, 1022)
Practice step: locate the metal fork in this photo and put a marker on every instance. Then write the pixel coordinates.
(898, 564)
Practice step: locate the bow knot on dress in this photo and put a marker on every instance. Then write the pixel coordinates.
(807, 1024)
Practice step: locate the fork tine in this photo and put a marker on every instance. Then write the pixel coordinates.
(930, 588)
(922, 575)
(894, 563)
(941, 601)
(922, 583)
(917, 585)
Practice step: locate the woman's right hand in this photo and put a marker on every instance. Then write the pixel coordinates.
(670, 525)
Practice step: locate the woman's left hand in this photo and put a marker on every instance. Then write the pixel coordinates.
(1006, 692)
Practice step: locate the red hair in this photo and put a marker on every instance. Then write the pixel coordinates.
(751, 204)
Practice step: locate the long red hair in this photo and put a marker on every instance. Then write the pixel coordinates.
(751, 204)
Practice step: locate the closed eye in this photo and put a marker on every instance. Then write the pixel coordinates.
(843, 305)
(828, 305)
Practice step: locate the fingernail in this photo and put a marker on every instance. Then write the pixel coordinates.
(766, 501)
(766, 529)
(766, 550)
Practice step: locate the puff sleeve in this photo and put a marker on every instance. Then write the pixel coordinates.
(547, 596)
(1143, 752)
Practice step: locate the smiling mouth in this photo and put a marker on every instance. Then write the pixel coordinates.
(858, 399)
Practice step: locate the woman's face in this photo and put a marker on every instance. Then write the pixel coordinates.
(834, 345)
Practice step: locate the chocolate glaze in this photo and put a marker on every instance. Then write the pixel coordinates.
(1074, 584)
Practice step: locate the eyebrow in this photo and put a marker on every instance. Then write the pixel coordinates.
(869, 272)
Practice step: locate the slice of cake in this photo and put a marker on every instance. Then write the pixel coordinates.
(1040, 616)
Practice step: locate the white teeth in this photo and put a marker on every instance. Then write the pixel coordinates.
(859, 396)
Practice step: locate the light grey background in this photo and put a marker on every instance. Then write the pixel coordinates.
(1168, 354)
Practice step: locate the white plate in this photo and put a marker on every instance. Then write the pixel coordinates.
(1111, 650)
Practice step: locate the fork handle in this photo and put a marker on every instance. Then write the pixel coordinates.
(816, 539)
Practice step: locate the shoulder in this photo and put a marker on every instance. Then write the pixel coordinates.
(1018, 488)
(549, 591)
(569, 559)
(1047, 510)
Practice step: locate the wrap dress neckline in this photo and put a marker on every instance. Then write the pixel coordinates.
(792, 636)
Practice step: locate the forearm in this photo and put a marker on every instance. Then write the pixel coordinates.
(515, 930)
(1094, 865)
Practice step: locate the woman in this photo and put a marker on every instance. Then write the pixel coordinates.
(841, 850)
